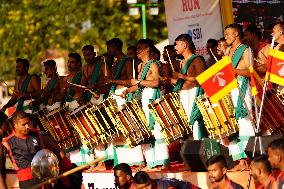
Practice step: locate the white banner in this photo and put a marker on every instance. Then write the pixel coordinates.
(199, 18)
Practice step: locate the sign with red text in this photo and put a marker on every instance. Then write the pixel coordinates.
(199, 18)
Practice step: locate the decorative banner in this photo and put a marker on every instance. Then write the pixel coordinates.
(218, 80)
(199, 18)
(275, 67)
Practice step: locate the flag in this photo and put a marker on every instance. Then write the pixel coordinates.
(218, 80)
(275, 67)
(254, 90)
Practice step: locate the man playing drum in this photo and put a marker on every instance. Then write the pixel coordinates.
(191, 66)
(155, 153)
(122, 73)
(240, 55)
(94, 75)
(27, 88)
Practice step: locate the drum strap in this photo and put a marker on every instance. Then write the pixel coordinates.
(156, 93)
(95, 75)
(76, 80)
(50, 87)
(24, 89)
(180, 82)
(118, 73)
(241, 112)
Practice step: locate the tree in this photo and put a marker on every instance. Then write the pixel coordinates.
(29, 27)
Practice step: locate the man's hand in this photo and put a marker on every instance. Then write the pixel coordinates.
(133, 82)
(124, 93)
(177, 75)
(166, 80)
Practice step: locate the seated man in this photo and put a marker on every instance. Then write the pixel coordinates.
(143, 180)
(217, 172)
(123, 176)
(261, 172)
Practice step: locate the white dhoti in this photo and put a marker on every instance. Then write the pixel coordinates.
(157, 152)
(52, 107)
(81, 156)
(123, 153)
(246, 130)
(72, 105)
(187, 98)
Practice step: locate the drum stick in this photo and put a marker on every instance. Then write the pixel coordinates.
(213, 55)
(104, 60)
(49, 181)
(170, 60)
(83, 87)
(133, 69)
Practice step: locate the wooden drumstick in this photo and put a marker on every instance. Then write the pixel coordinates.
(170, 60)
(76, 169)
(83, 87)
(213, 55)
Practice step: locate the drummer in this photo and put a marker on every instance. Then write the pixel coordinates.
(72, 94)
(51, 96)
(155, 153)
(185, 83)
(94, 76)
(122, 73)
(27, 88)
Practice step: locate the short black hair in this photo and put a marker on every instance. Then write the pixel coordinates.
(212, 42)
(170, 47)
(263, 159)
(50, 63)
(277, 144)
(222, 39)
(19, 115)
(123, 167)
(76, 56)
(23, 61)
(88, 47)
(132, 47)
(141, 177)
(216, 159)
(253, 29)
(115, 42)
(237, 27)
(188, 39)
(149, 43)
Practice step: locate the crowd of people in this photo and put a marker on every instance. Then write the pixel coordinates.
(139, 74)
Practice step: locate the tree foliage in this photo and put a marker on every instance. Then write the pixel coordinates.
(29, 27)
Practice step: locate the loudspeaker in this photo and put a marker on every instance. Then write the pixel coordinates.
(265, 140)
(195, 153)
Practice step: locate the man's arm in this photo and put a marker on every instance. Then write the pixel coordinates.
(36, 86)
(243, 67)
(2, 166)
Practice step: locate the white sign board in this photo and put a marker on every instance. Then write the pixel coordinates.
(199, 18)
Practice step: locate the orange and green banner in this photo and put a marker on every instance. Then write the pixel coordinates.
(275, 67)
(218, 80)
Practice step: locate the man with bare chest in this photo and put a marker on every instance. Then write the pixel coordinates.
(155, 153)
(241, 56)
(185, 83)
(27, 88)
(94, 75)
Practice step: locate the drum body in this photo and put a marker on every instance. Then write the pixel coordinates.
(171, 116)
(219, 118)
(60, 127)
(134, 125)
(85, 125)
(272, 117)
(105, 121)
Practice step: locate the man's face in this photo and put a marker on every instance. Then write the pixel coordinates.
(20, 69)
(221, 48)
(255, 171)
(277, 32)
(22, 126)
(111, 50)
(89, 56)
(49, 71)
(274, 158)
(230, 36)
(180, 46)
(249, 38)
(216, 172)
(121, 178)
(131, 53)
(72, 64)
(142, 51)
